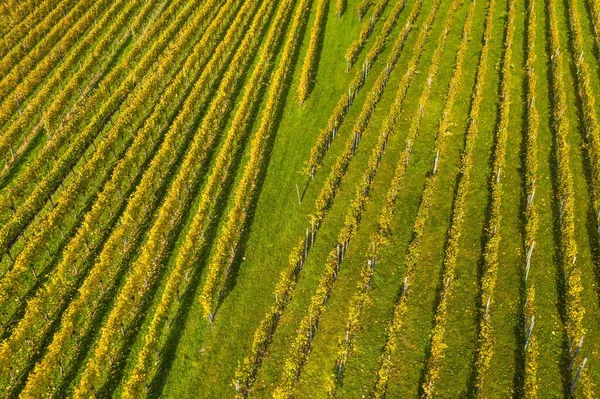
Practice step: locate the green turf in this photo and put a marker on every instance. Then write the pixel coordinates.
(199, 359)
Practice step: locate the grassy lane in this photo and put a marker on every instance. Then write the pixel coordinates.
(505, 371)
(270, 373)
(361, 367)
(569, 205)
(394, 115)
(246, 192)
(325, 344)
(332, 326)
(355, 255)
(327, 135)
(456, 367)
(544, 270)
(586, 236)
(309, 324)
(413, 344)
(202, 347)
(285, 287)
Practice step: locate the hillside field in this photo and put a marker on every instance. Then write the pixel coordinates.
(299, 199)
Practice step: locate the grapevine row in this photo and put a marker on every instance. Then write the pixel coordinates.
(229, 237)
(342, 107)
(484, 346)
(365, 32)
(98, 162)
(530, 348)
(144, 94)
(170, 149)
(588, 101)
(33, 36)
(95, 167)
(21, 87)
(23, 25)
(47, 155)
(340, 6)
(309, 66)
(594, 11)
(380, 237)
(75, 95)
(47, 51)
(437, 345)
(246, 373)
(412, 255)
(39, 240)
(12, 13)
(144, 270)
(568, 245)
(380, 84)
(308, 326)
(43, 308)
(334, 179)
(155, 249)
(194, 238)
(33, 108)
(363, 7)
(187, 256)
(61, 130)
(139, 208)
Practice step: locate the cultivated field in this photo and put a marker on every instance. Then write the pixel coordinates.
(300, 198)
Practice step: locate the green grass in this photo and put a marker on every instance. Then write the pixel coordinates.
(199, 358)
